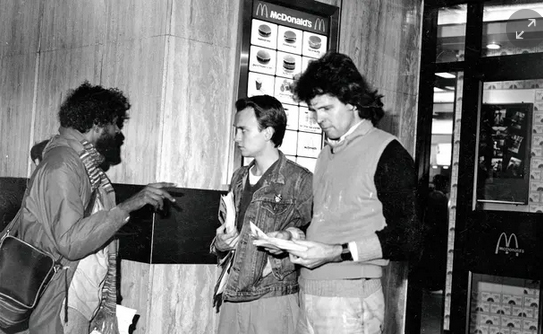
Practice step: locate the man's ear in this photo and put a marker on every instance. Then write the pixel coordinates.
(269, 131)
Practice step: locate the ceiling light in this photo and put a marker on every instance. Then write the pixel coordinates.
(493, 46)
(445, 75)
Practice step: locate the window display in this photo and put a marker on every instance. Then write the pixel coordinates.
(504, 153)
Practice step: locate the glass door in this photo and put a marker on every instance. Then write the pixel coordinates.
(494, 262)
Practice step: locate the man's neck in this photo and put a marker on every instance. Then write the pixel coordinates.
(264, 161)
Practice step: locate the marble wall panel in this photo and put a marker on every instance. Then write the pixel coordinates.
(181, 299)
(19, 26)
(66, 24)
(400, 117)
(137, 19)
(199, 104)
(383, 38)
(137, 68)
(208, 21)
(135, 291)
(58, 72)
(16, 113)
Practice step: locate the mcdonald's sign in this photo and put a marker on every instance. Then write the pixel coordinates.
(320, 24)
(262, 10)
(507, 248)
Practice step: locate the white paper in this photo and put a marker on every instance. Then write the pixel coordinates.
(227, 204)
(125, 316)
(226, 264)
(263, 240)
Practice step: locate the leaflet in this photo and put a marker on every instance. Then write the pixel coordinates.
(263, 240)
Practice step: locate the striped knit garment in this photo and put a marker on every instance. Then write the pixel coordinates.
(92, 159)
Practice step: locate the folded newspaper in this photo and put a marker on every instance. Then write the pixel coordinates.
(227, 217)
(263, 240)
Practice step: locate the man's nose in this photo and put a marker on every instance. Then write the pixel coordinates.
(318, 117)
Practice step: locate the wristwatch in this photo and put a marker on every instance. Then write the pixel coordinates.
(346, 253)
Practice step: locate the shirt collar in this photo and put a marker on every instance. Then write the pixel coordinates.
(334, 143)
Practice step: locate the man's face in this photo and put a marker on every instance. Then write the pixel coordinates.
(249, 138)
(109, 144)
(334, 117)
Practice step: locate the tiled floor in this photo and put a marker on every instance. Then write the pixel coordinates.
(432, 313)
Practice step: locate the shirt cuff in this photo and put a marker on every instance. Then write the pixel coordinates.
(366, 249)
(354, 251)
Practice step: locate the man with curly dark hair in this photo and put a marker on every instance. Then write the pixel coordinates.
(69, 210)
(364, 210)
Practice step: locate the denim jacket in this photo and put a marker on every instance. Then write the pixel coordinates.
(283, 201)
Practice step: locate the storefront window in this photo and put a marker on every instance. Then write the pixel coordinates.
(511, 29)
(451, 33)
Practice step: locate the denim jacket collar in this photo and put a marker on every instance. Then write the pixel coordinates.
(277, 175)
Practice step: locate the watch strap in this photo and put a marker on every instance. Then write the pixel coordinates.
(346, 254)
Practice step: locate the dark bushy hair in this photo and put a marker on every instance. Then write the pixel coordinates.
(336, 74)
(90, 105)
(269, 113)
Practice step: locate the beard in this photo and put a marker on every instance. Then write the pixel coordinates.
(109, 146)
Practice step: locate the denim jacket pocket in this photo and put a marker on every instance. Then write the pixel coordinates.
(275, 213)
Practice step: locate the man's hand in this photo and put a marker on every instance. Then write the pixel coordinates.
(152, 194)
(226, 241)
(282, 234)
(316, 254)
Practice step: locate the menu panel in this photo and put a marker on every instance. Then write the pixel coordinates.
(283, 41)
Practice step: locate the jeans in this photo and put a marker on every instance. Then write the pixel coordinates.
(274, 315)
(341, 315)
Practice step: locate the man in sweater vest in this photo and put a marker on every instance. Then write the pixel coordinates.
(364, 211)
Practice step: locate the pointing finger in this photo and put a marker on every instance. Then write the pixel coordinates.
(162, 185)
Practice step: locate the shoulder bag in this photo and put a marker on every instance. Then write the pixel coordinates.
(25, 272)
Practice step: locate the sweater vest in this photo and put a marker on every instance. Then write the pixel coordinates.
(346, 207)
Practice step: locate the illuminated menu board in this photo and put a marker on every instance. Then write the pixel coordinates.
(282, 41)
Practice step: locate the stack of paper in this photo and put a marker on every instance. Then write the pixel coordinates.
(263, 240)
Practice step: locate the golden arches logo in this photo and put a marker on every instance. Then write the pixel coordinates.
(508, 247)
(261, 9)
(320, 24)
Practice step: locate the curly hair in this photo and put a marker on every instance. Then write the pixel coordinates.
(90, 105)
(269, 113)
(336, 74)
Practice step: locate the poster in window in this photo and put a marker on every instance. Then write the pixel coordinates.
(504, 153)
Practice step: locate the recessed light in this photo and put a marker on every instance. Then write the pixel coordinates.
(493, 46)
(445, 75)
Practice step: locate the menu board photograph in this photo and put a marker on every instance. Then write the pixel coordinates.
(283, 39)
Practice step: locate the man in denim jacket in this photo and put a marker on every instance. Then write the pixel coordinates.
(274, 193)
